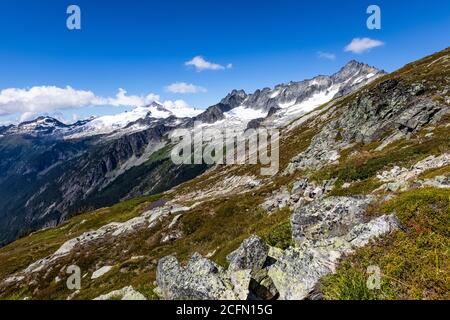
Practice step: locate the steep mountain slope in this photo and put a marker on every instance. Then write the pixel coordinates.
(52, 170)
(374, 163)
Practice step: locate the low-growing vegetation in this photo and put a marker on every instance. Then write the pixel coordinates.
(357, 188)
(415, 262)
(280, 236)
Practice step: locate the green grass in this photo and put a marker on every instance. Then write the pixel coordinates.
(415, 263)
(429, 174)
(423, 211)
(357, 188)
(351, 286)
(148, 291)
(279, 236)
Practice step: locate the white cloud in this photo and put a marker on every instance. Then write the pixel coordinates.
(200, 64)
(122, 99)
(326, 55)
(183, 87)
(181, 109)
(177, 104)
(361, 45)
(45, 99)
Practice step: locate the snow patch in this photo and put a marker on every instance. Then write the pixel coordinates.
(315, 101)
(246, 114)
(275, 94)
(287, 104)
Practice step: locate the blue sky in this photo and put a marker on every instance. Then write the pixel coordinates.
(143, 46)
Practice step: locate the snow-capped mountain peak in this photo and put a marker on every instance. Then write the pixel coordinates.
(39, 126)
(129, 120)
(288, 101)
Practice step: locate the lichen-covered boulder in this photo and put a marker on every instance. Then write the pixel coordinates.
(245, 265)
(251, 255)
(201, 279)
(246, 277)
(241, 279)
(296, 273)
(261, 285)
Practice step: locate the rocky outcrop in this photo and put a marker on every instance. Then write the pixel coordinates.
(441, 182)
(201, 279)
(309, 190)
(247, 270)
(330, 217)
(251, 255)
(325, 230)
(392, 107)
(279, 199)
(227, 184)
(303, 192)
(398, 179)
